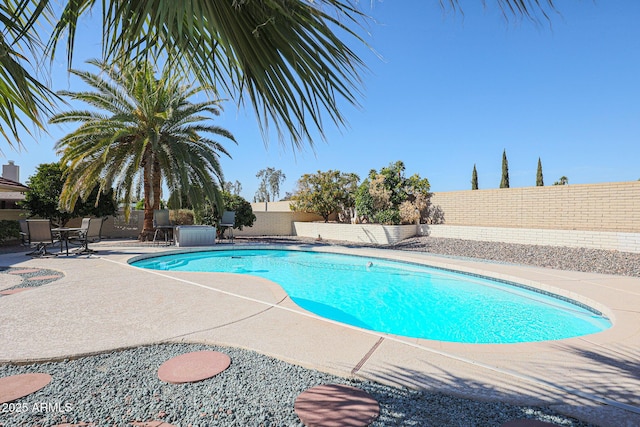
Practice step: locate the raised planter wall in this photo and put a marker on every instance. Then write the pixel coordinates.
(358, 233)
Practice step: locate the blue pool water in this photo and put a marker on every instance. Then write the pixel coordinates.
(401, 298)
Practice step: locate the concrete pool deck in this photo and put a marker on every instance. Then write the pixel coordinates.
(103, 304)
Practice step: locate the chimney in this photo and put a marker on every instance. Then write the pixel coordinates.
(11, 171)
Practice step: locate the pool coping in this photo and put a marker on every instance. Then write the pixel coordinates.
(595, 378)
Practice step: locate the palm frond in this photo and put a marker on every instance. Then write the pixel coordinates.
(24, 100)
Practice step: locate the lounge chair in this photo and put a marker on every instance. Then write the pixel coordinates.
(162, 223)
(228, 220)
(40, 235)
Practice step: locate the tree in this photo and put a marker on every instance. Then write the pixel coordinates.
(223, 43)
(45, 187)
(504, 183)
(270, 181)
(210, 214)
(474, 178)
(233, 187)
(563, 180)
(147, 132)
(325, 193)
(539, 177)
(388, 197)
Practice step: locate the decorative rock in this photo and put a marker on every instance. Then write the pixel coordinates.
(336, 405)
(526, 423)
(53, 276)
(193, 367)
(80, 424)
(17, 386)
(25, 271)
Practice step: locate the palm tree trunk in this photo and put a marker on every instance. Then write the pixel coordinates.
(151, 184)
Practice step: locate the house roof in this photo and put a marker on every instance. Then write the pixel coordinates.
(10, 185)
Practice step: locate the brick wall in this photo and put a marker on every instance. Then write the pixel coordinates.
(591, 207)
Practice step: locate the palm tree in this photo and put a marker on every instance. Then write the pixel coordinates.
(287, 57)
(141, 131)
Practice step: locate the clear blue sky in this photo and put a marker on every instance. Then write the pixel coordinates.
(452, 90)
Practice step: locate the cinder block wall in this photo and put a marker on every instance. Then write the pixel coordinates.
(591, 207)
(275, 223)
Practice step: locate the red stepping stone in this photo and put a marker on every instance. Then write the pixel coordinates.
(17, 386)
(25, 271)
(193, 367)
(13, 291)
(526, 423)
(55, 276)
(153, 424)
(336, 405)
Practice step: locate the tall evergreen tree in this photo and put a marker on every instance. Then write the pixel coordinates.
(539, 178)
(504, 183)
(474, 178)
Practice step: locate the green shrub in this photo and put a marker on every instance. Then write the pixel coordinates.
(209, 215)
(387, 217)
(388, 197)
(9, 229)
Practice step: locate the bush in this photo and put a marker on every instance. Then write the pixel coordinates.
(9, 229)
(209, 215)
(182, 216)
(409, 214)
(388, 197)
(387, 217)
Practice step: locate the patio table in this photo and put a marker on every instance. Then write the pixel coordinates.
(64, 236)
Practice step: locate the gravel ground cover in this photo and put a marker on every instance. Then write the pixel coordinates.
(558, 257)
(114, 389)
(27, 278)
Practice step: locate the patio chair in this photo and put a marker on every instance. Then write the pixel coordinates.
(228, 220)
(77, 238)
(24, 232)
(162, 223)
(92, 234)
(40, 235)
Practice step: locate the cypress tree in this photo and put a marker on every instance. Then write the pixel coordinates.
(504, 183)
(539, 178)
(474, 178)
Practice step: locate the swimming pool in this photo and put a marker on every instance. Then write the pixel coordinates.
(401, 298)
